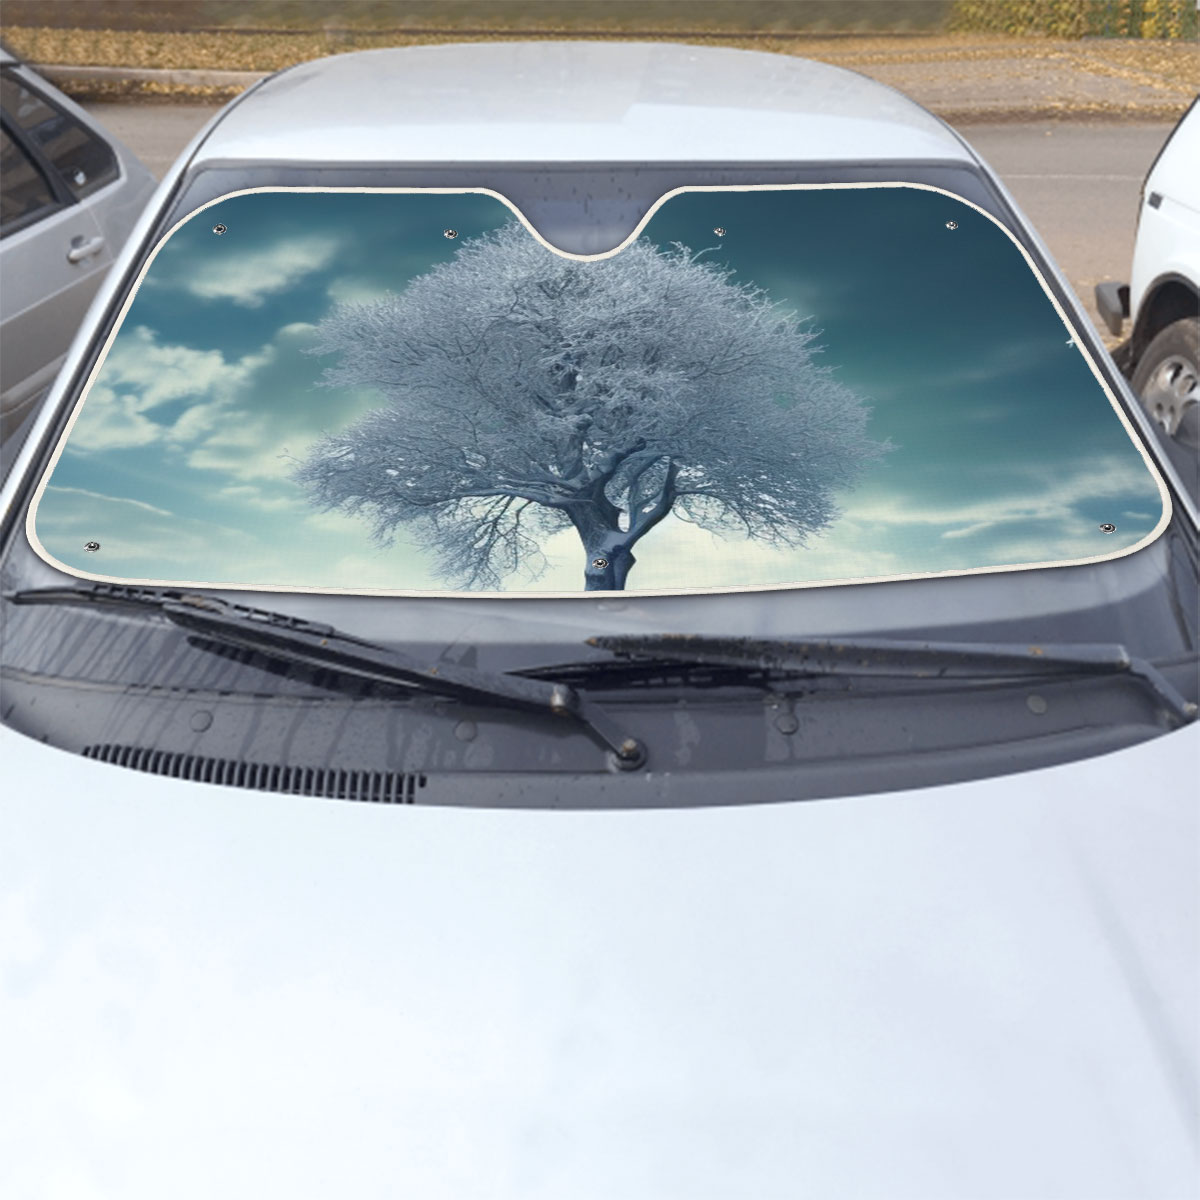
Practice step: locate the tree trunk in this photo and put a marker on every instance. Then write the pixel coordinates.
(607, 566)
(609, 549)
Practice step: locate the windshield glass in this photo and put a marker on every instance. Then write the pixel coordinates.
(410, 391)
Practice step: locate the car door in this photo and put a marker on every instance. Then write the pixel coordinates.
(53, 250)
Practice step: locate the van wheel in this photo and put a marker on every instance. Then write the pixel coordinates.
(1168, 382)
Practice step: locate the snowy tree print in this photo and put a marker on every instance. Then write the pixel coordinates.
(524, 393)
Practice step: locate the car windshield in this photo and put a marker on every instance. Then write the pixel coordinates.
(744, 483)
(412, 391)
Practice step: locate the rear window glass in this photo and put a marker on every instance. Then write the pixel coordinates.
(83, 160)
(24, 192)
(409, 391)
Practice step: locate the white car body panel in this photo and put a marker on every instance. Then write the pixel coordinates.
(1177, 171)
(982, 990)
(1168, 243)
(1168, 237)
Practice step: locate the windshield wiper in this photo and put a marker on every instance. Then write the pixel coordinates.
(296, 640)
(892, 657)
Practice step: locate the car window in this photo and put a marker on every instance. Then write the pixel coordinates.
(25, 193)
(299, 397)
(83, 160)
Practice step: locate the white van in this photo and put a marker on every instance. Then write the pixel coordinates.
(593, 620)
(1161, 357)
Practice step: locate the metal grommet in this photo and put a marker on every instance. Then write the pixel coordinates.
(450, 233)
(1108, 527)
(951, 224)
(599, 563)
(91, 547)
(219, 229)
(719, 231)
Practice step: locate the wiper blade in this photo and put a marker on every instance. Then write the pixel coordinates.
(296, 640)
(122, 596)
(893, 657)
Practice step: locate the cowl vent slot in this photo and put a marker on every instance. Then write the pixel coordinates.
(332, 783)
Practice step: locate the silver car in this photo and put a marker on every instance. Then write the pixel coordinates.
(70, 196)
(511, 854)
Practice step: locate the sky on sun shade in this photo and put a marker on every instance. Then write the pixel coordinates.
(976, 433)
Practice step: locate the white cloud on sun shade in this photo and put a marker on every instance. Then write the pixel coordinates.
(142, 375)
(247, 279)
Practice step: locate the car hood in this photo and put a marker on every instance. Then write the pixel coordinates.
(981, 990)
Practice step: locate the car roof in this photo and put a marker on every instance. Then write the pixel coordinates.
(561, 101)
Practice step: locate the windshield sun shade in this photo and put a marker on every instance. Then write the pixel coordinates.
(410, 392)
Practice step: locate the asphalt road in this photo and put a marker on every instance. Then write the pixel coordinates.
(1077, 182)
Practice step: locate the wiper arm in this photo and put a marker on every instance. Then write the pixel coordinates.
(883, 657)
(296, 640)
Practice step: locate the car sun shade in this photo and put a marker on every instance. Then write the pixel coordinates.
(410, 392)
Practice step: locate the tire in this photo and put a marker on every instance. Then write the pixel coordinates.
(1167, 380)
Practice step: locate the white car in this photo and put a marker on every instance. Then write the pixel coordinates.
(1162, 354)
(377, 822)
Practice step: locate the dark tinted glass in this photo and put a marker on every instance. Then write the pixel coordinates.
(84, 161)
(23, 188)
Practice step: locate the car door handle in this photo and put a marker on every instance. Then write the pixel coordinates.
(81, 250)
